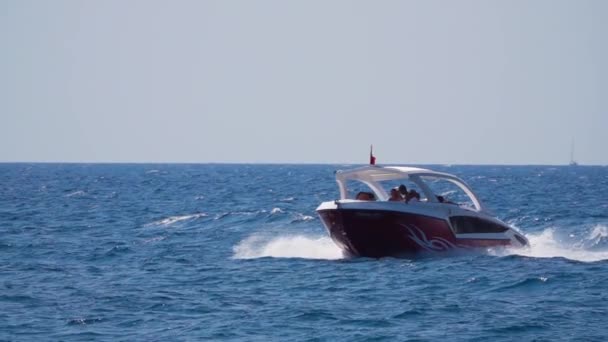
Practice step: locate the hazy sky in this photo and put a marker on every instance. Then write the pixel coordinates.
(485, 82)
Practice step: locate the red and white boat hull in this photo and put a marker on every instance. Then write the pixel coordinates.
(379, 229)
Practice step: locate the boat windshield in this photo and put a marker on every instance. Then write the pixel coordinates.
(448, 192)
(443, 190)
(409, 185)
(356, 189)
(435, 187)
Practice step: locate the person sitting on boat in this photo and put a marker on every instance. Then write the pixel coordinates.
(442, 199)
(395, 195)
(412, 195)
(403, 190)
(365, 196)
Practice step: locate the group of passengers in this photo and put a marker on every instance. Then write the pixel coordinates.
(400, 194)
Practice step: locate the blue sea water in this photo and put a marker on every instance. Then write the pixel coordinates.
(155, 252)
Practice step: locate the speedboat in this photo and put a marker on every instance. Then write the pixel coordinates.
(364, 222)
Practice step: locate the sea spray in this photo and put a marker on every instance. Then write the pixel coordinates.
(548, 244)
(290, 246)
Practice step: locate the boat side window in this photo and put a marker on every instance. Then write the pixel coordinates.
(365, 196)
(472, 225)
(359, 191)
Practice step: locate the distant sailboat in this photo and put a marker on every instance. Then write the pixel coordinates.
(572, 161)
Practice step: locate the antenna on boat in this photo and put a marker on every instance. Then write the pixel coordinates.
(372, 159)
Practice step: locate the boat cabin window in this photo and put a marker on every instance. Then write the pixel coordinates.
(473, 225)
(448, 192)
(365, 196)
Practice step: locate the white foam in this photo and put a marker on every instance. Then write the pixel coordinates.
(276, 211)
(76, 193)
(155, 239)
(291, 246)
(173, 219)
(598, 231)
(547, 244)
(302, 218)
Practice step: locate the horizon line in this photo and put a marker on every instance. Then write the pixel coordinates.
(278, 163)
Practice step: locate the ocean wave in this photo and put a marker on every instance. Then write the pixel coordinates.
(76, 193)
(522, 283)
(154, 239)
(84, 321)
(173, 219)
(407, 314)
(291, 246)
(298, 217)
(117, 251)
(238, 213)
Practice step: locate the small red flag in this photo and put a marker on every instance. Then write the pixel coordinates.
(372, 159)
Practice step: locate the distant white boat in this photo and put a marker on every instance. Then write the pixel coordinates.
(572, 161)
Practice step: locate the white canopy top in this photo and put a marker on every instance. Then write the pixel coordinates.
(371, 175)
